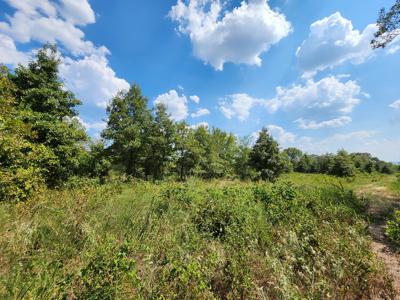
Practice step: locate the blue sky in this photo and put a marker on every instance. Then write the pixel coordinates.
(302, 68)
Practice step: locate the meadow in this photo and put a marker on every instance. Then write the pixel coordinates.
(304, 236)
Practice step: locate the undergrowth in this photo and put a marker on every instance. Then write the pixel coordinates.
(194, 240)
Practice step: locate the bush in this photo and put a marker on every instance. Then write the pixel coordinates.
(393, 229)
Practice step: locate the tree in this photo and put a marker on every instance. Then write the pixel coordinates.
(96, 162)
(187, 150)
(22, 163)
(265, 157)
(242, 161)
(49, 110)
(342, 165)
(128, 128)
(388, 26)
(294, 155)
(161, 139)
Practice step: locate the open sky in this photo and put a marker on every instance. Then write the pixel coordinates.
(302, 68)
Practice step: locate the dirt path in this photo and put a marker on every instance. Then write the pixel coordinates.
(383, 203)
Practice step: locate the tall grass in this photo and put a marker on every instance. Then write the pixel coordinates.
(206, 240)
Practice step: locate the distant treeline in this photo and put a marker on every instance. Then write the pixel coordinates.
(43, 143)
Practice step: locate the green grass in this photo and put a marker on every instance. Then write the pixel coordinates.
(206, 240)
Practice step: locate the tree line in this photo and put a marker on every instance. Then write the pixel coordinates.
(42, 142)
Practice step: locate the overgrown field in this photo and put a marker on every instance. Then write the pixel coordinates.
(302, 237)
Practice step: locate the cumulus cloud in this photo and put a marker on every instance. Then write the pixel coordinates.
(95, 126)
(321, 100)
(238, 105)
(195, 99)
(239, 36)
(47, 21)
(395, 104)
(77, 12)
(92, 79)
(333, 41)
(316, 104)
(8, 52)
(200, 113)
(283, 136)
(176, 105)
(333, 123)
(198, 125)
(88, 74)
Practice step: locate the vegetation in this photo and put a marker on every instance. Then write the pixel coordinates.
(393, 230)
(388, 26)
(209, 240)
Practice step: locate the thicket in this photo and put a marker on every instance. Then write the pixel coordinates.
(193, 240)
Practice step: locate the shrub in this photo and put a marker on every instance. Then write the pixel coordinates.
(393, 229)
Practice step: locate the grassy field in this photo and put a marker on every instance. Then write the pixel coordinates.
(303, 237)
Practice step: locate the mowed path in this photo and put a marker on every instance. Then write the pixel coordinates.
(382, 203)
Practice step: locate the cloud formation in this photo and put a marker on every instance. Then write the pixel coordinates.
(333, 41)
(395, 104)
(176, 104)
(9, 53)
(333, 123)
(87, 71)
(200, 113)
(238, 105)
(326, 102)
(238, 36)
(49, 21)
(314, 104)
(92, 79)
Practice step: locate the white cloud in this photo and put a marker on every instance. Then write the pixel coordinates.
(239, 36)
(324, 99)
(394, 46)
(333, 41)
(77, 12)
(200, 113)
(89, 75)
(8, 52)
(317, 104)
(91, 79)
(195, 99)
(95, 126)
(395, 104)
(198, 125)
(176, 105)
(238, 105)
(34, 7)
(46, 21)
(333, 123)
(282, 136)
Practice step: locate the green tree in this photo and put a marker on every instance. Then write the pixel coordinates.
(265, 157)
(49, 110)
(188, 151)
(22, 162)
(388, 26)
(161, 139)
(243, 168)
(294, 155)
(343, 166)
(128, 129)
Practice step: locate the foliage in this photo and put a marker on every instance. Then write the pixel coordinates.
(393, 229)
(207, 240)
(265, 157)
(43, 118)
(128, 127)
(388, 26)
